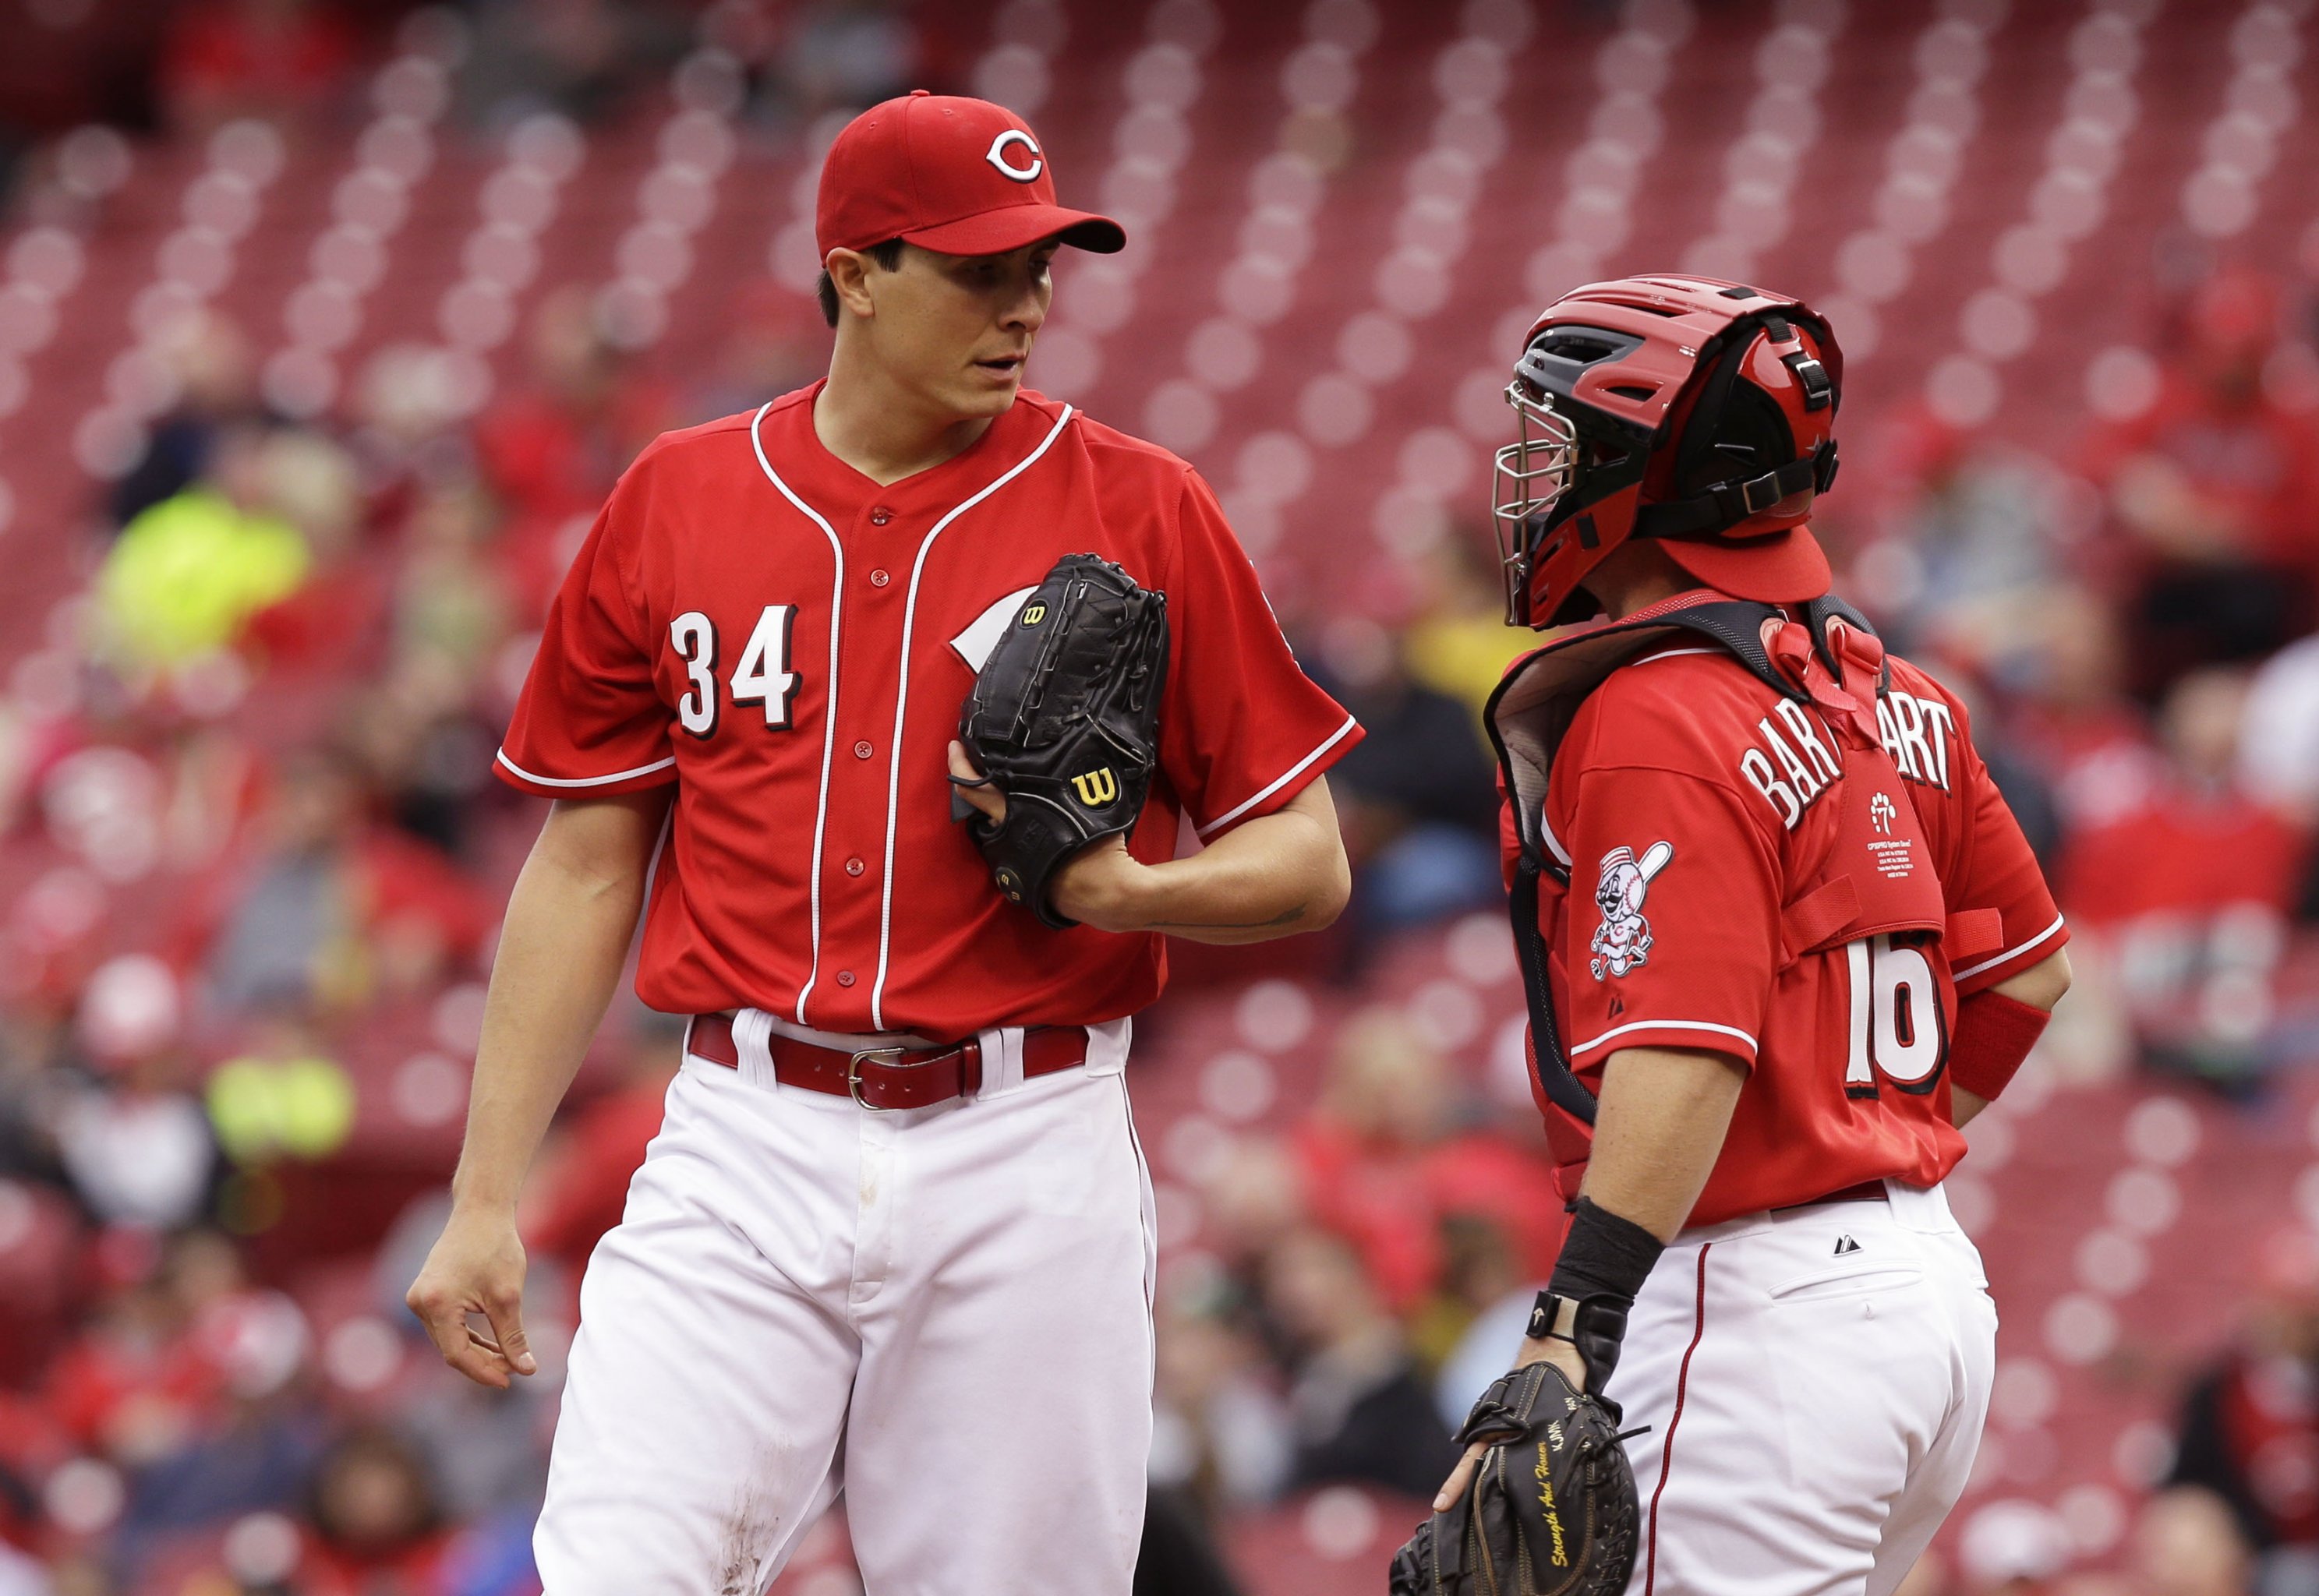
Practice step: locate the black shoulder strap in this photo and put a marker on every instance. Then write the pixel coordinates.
(1528, 716)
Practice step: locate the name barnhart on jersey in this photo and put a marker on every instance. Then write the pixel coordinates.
(1791, 763)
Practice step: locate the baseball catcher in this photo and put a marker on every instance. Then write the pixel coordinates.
(1779, 939)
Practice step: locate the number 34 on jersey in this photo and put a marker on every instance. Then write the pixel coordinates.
(760, 677)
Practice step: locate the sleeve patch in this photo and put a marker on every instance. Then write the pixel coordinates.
(1623, 942)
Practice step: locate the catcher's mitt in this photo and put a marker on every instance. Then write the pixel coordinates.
(1064, 720)
(1550, 1511)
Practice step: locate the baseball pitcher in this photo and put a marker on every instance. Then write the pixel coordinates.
(895, 1235)
(1815, 945)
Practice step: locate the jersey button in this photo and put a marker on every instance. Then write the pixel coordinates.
(844, 978)
(861, 751)
(878, 579)
(852, 867)
(881, 516)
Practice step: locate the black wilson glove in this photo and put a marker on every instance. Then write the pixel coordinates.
(1551, 1510)
(1064, 719)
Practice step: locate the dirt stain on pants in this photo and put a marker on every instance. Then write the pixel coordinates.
(741, 1556)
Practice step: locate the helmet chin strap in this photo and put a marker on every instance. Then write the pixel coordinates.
(1727, 504)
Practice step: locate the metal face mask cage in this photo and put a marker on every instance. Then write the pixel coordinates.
(1532, 473)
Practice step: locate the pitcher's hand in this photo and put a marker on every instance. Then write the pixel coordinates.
(1098, 886)
(476, 1267)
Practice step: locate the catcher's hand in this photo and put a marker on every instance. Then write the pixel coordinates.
(1551, 1510)
(1063, 726)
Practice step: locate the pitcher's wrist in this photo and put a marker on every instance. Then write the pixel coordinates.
(484, 1199)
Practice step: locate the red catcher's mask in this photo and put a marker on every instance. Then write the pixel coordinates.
(1694, 412)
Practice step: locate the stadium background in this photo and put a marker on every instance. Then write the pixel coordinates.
(324, 327)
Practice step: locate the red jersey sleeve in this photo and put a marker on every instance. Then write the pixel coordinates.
(591, 720)
(1996, 870)
(1242, 729)
(1672, 937)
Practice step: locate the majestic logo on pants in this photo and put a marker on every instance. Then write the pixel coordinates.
(1623, 940)
(1096, 787)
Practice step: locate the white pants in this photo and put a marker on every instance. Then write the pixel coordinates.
(945, 1311)
(1815, 1381)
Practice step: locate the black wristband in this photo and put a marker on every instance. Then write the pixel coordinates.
(1604, 1256)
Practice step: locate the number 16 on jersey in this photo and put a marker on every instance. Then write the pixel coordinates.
(1897, 1028)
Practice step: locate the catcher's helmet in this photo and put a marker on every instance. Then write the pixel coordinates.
(1684, 408)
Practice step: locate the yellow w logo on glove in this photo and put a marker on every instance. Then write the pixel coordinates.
(1096, 787)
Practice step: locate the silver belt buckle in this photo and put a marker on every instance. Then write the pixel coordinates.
(853, 1074)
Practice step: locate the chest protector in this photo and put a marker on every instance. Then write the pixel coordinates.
(1877, 878)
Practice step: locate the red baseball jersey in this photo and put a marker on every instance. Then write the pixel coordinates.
(1693, 804)
(789, 643)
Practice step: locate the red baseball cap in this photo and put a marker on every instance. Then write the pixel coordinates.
(1786, 567)
(955, 175)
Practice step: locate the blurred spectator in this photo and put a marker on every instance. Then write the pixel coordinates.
(851, 54)
(378, 1528)
(43, 1278)
(2186, 1544)
(2278, 738)
(138, 1147)
(582, 57)
(127, 1132)
(208, 357)
(1457, 641)
(326, 907)
(2248, 1432)
(552, 448)
(1360, 1412)
(2279, 750)
(2189, 894)
(2054, 661)
(329, 625)
(1414, 797)
(1386, 1165)
(1485, 1350)
(254, 1425)
(1220, 1437)
(2217, 483)
(2011, 1548)
(1973, 523)
(188, 1380)
(280, 60)
(187, 574)
(777, 343)
(284, 1097)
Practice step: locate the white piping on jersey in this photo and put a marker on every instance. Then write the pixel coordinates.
(829, 710)
(652, 869)
(902, 704)
(1676, 653)
(1283, 779)
(1996, 960)
(1588, 1046)
(658, 764)
(1552, 843)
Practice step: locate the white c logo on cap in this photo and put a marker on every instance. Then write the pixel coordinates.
(997, 156)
